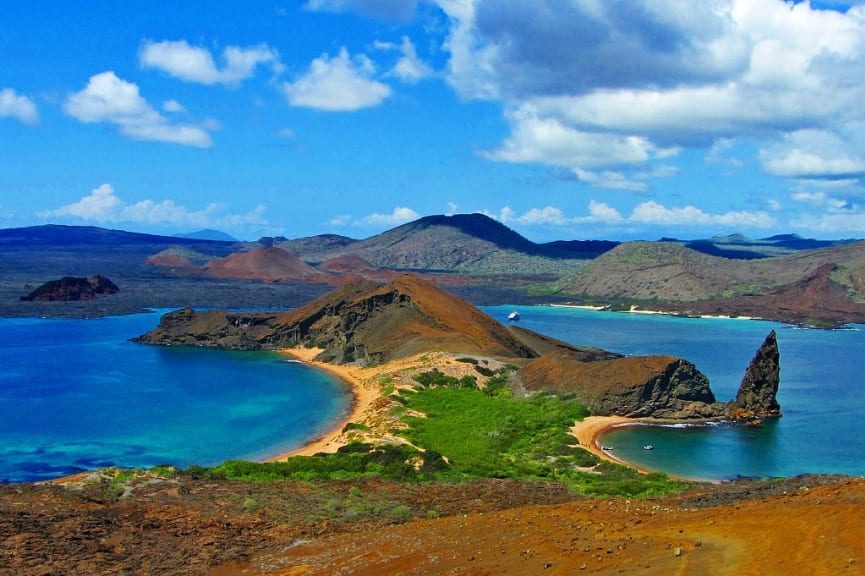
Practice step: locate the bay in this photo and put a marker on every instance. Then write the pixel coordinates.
(822, 393)
(77, 395)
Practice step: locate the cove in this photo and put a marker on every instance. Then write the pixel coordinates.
(822, 393)
(77, 395)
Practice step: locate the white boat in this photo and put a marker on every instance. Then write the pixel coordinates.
(514, 316)
(648, 447)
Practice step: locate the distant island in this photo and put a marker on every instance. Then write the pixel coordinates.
(785, 277)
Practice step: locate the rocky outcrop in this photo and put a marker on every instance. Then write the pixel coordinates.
(757, 396)
(633, 386)
(360, 322)
(366, 323)
(70, 288)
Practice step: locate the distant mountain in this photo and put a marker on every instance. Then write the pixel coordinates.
(270, 264)
(739, 246)
(207, 234)
(59, 235)
(810, 286)
(467, 243)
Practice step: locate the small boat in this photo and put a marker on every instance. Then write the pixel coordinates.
(514, 316)
(648, 447)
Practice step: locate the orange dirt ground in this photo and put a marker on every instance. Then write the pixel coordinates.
(812, 531)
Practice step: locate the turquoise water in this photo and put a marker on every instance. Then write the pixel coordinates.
(822, 392)
(76, 395)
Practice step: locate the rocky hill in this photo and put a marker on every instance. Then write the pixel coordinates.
(362, 321)
(468, 243)
(69, 288)
(269, 264)
(368, 324)
(815, 286)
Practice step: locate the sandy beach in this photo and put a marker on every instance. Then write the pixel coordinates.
(590, 431)
(364, 390)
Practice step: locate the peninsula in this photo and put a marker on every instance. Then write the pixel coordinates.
(367, 329)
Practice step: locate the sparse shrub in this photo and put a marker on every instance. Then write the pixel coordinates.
(401, 514)
(250, 505)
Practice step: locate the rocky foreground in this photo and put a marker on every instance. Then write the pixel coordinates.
(104, 525)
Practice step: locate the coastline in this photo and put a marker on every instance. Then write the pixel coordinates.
(591, 430)
(363, 396)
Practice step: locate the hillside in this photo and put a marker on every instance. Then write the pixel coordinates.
(466, 243)
(360, 321)
(669, 276)
(267, 264)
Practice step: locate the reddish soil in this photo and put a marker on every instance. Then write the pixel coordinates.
(810, 525)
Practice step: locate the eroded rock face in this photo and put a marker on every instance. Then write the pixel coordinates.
(70, 288)
(360, 322)
(634, 386)
(757, 396)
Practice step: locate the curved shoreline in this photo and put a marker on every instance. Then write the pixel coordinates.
(363, 396)
(591, 430)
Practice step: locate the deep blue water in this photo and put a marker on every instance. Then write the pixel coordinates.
(822, 391)
(76, 395)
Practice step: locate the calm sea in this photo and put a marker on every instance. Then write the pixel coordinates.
(822, 392)
(76, 395)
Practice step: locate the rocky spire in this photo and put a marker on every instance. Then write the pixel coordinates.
(757, 392)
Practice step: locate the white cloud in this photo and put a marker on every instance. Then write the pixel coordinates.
(400, 215)
(401, 10)
(813, 154)
(647, 213)
(648, 76)
(196, 64)
(409, 68)
(341, 83)
(107, 98)
(652, 212)
(172, 106)
(102, 205)
(14, 105)
(610, 180)
(535, 216)
(548, 140)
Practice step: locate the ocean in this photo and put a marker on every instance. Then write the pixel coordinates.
(76, 395)
(822, 392)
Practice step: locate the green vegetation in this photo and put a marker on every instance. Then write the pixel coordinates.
(468, 432)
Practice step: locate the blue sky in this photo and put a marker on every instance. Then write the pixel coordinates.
(563, 119)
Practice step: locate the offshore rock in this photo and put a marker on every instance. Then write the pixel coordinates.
(70, 288)
(633, 386)
(757, 396)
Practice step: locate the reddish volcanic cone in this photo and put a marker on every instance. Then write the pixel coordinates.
(267, 263)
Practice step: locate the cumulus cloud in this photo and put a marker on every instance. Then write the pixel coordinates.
(401, 10)
(107, 98)
(339, 84)
(646, 213)
(102, 205)
(644, 75)
(409, 68)
(813, 153)
(196, 64)
(400, 215)
(14, 105)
